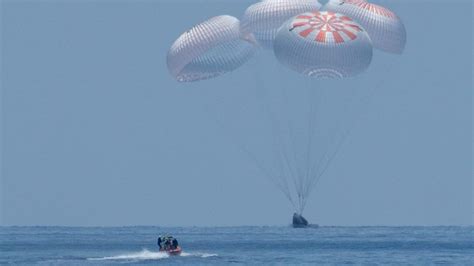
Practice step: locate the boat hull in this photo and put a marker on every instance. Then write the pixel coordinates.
(172, 252)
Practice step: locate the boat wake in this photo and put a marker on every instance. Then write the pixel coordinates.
(150, 255)
(198, 254)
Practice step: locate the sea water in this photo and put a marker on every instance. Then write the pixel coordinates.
(240, 245)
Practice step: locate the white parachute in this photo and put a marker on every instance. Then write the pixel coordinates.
(335, 43)
(210, 49)
(264, 18)
(384, 27)
(323, 44)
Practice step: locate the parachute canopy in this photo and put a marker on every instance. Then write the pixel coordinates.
(323, 44)
(336, 42)
(385, 29)
(209, 49)
(263, 19)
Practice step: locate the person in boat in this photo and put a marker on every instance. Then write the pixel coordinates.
(160, 242)
(163, 242)
(174, 243)
(166, 243)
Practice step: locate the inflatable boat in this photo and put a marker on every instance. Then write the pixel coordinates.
(176, 251)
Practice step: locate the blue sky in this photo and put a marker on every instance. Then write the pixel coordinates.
(96, 132)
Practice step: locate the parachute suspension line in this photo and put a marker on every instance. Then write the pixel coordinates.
(371, 91)
(279, 140)
(297, 174)
(282, 172)
(291, 147)
(267, 173)
(310, 140)
(282, 158)
(318, 176)
(312, 121)
(300, 168)
(335, 137)
(283, 154)
(338, 139)
(325, 160)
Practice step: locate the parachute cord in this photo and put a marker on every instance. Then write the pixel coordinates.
(310, 137)
(280, 142)
(289, 163)
(318, 174)
(268, 173)
(284, 172)
(338, 139)
(293, 149)
(277, 138)
(317, 165)
(327, 164)
(313, 112)
(327, 155)
(298, 177)
(284, 184)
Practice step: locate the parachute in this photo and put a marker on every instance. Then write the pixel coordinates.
(263, 19)
(323, 44)
(383, 26)
(308, 121)
(210, 49)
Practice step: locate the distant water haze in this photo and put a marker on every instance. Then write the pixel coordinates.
(241, 244)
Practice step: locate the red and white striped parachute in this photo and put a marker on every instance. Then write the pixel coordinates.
(334, 43)
(384, 27)
(264, 18)
(323, 44)
(209, 49)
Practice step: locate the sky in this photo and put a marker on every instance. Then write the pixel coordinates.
(95, 132)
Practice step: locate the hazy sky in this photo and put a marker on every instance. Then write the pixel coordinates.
(96, 132)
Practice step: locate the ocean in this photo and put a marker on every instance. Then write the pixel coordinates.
(238, 245)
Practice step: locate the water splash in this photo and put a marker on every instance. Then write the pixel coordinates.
(198, 254)
(150, 255)
(142, 255)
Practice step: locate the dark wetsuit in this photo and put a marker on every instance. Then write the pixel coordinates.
(174, 244)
